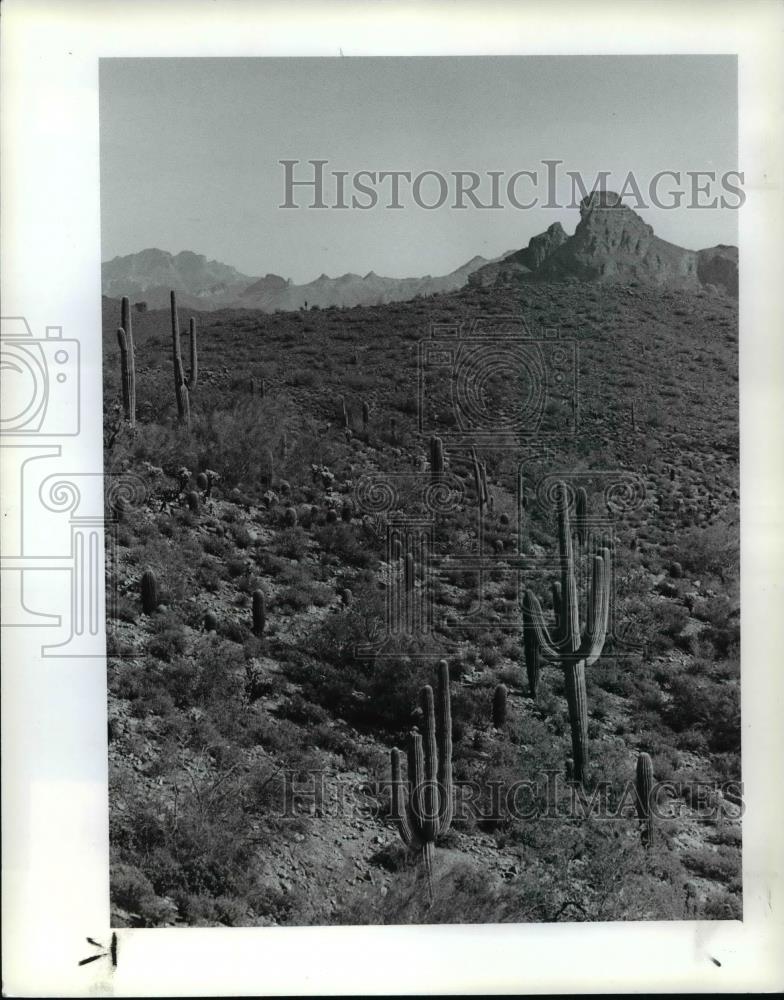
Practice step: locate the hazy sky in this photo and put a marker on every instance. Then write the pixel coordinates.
(190, 151)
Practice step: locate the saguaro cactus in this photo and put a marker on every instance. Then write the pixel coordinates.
(259, 612)
(127, 325)
(128, 373)
(149, 587)
(424, 813)
(499, 706)
(480, 481)
(644, 789)
(436, 459)
(365, 415)
(566, 643)
(180, 384)
(581, 514)
(193, 378)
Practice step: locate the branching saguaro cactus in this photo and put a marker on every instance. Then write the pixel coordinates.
(180, 384)
(566, 643)
(259, 612)
(422, 806)
(644, 789)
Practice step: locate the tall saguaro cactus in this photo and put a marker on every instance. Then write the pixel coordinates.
(128, 361)
(180, 384)
(193, 378)
(128, 375)
(567, 644)
(425, 812)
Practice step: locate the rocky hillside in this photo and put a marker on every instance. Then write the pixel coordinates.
(613, 244)
(221, 701)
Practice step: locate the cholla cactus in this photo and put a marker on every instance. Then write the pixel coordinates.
(424, 812)
(567, 644)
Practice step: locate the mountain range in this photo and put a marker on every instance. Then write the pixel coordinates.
(610, 244)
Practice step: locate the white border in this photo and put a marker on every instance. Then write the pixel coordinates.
(55, 855)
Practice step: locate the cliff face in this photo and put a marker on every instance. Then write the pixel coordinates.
(612, 243)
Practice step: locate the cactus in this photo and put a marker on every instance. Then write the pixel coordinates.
(202, 482)
(566, 643)
(365, 415)
(192, 498)
(128, 377)
(347, 511)
(290, 517)
(128, 360)
(581, 514)
(480, 482)
(332, 516)
(346, 596)
(409, 572)
(436, 459)
(499, 706)
(425, 812)
(210, 622)
(530, 648)
(259, 612)
(193, 378)
(180, 384)
(267, 468)
(393, 430)
(149, 587)
(634, 418)
(343, 412)
(644, 789)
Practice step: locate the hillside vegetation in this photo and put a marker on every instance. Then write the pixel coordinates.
(219, 700)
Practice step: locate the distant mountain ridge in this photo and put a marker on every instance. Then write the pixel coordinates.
(151, 274)
(612, 243)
